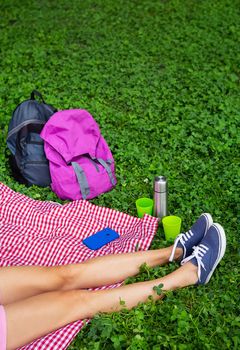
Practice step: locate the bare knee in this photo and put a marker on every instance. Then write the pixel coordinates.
(78, 304)
(58, 309)
(69, 275)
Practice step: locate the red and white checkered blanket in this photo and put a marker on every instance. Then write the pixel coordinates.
(34, 232)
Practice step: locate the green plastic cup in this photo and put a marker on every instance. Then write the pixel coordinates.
(144, 206)
(171, 226)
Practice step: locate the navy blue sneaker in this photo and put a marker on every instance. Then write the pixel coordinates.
(191, 238)
(208, 253)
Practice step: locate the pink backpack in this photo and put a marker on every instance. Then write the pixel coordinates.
(81, 163)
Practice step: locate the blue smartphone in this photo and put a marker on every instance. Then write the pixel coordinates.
(100, 238)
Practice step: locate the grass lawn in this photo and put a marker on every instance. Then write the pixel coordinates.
(162, 80)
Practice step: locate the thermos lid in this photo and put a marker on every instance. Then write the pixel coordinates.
(160, 184)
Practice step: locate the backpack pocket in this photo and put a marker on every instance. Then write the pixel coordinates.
(34, 164)
(37, 173)
(33, 148)
(93, 176)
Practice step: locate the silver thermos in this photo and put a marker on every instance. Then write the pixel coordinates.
(160, 196)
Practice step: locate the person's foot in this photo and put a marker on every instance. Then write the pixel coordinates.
(191, 238)
(207, 255)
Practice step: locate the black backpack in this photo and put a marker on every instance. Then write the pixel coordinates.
(27, 160)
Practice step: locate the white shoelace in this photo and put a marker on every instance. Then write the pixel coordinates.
(198, 253)
(182, 238)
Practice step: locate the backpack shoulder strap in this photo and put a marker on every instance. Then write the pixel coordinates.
(82, 179)
(108, 170)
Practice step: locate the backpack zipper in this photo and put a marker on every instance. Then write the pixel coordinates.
(35, 143)
(39, 162)
(17, 128)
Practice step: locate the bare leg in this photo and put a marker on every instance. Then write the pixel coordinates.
(36, 316)
(33, 280)
(115, 268)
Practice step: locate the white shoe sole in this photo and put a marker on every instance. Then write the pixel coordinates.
(222, 248)
(209, 221)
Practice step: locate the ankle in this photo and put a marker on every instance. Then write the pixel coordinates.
(177, 254)
(192, 271)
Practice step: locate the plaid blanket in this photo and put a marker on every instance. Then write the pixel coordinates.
(35, 232)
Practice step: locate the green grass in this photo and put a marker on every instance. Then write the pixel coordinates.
(162, 80)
